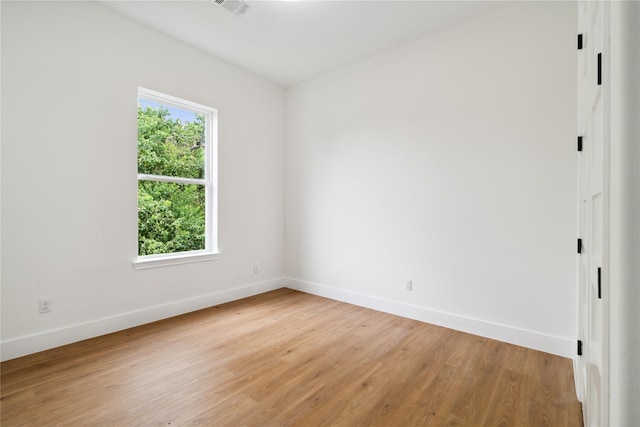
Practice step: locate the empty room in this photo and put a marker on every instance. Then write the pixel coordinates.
(320, 213)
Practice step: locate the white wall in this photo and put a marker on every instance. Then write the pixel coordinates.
(70, 72)
(624, 278)
(449, 162)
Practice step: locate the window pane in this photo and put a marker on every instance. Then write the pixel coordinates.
(171, 217)
(170, 141)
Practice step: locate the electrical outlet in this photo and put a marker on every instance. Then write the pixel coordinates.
(255, 269)
(408, 286)
(45, 306)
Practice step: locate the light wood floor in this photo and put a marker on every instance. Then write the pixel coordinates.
(288, 358)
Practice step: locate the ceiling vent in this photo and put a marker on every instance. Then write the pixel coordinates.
(237, 7)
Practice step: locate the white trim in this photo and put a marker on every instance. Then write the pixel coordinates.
(163, 260)
(21, 346)
(171, 179)
(29, 344)
(174, 101)
(526, 338)
(211, 175)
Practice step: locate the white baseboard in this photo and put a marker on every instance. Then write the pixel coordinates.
(526, 338)
(22, 346)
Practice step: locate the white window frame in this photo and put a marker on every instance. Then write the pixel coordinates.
(210, 182)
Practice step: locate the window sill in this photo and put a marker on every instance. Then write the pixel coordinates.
(156, 261)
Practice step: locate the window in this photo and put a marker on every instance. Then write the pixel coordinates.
(177, 143)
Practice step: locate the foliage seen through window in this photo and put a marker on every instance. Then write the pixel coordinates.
(171, 215)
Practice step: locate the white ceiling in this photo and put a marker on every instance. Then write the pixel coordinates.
(291, 41)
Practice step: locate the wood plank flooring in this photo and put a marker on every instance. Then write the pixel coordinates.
(289, 358)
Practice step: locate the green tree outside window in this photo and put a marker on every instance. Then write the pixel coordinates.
(171, 216)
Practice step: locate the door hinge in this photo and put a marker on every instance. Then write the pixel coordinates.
(579, 41)
(579, 347)
(579, 246)
(599, 283)
(579, 143)
(599, 69)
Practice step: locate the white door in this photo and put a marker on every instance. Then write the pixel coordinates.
(593, 211)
